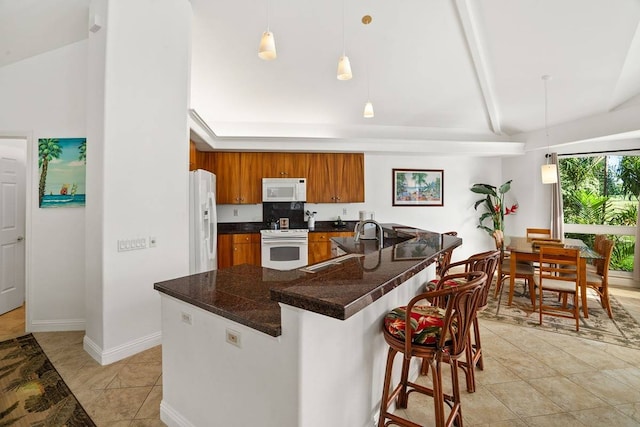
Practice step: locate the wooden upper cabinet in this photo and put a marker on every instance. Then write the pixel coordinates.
(193, 164)
(320, 179)
(349, 185)
(284, 165)
(331, 177)
(335, 178)
(205, 160)
(239, 178)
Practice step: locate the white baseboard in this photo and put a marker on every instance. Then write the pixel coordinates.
(106, 357)
(171, 417)
(56, 325)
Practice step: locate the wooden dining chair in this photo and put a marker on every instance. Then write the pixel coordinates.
(559, 273)
(599, 280)
(538, 233)
(524, 271)
(434, 334)
(598, 247)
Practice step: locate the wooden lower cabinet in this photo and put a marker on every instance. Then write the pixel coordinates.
(236, 249)
(320, 245)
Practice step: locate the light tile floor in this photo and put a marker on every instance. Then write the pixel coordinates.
(125, 393)
(537, 378)
(531, 378)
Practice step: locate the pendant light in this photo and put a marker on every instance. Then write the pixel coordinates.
(368, 107)
(344, 66)
(549, 170)
(267, 48)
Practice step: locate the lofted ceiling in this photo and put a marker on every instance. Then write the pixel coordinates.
(464, 71)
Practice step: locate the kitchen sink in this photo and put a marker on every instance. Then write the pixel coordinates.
(329, 263)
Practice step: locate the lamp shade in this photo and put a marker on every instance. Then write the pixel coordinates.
(267, 49)
(368, 110)
(344, 68)
(549, 174)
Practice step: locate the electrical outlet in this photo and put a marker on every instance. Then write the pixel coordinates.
(186, 318)
(235, 212)
(233, 338)
(344, 211)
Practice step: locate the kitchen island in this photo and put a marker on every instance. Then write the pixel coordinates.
(254, 346)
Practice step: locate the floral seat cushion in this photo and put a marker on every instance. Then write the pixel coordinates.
(426, 323)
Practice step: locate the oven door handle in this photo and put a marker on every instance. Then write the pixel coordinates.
(285, 242)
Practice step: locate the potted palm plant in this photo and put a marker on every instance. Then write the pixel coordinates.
(493, 203)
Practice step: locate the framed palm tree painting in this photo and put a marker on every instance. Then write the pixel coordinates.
(62, 165)
(418, 187)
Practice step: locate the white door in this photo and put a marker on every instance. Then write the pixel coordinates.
(12, 214)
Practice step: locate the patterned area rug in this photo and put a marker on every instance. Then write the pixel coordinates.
(32, 392)
(622, 330)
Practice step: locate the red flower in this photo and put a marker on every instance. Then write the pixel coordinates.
(512, 210)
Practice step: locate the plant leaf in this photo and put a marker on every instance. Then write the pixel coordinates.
(484, 189)
(505, 187)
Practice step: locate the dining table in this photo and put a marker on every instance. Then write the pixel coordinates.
(526, 249)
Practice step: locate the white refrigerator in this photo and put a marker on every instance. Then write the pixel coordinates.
(202, 222)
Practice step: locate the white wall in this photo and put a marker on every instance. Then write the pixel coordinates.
(139, 130)
(44, 97)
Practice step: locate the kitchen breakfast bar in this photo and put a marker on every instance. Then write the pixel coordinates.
(252, 346)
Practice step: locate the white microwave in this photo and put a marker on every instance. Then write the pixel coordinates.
(284, 190)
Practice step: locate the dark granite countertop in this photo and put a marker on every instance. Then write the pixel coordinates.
(250, 295)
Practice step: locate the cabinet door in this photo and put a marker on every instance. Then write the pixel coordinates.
(284, 165)
(246, 249)
(319, 179)
(249, 176)
(225, 250)
(349, 173)
(227, 167)
(319, 247)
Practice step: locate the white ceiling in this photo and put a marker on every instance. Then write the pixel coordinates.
(439, 70)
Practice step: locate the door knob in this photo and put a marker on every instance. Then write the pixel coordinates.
(20, 238)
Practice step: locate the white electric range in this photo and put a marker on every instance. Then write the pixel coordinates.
(285, 249)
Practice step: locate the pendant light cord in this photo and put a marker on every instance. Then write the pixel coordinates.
(545, 79)
(343, 42)
(268, 28)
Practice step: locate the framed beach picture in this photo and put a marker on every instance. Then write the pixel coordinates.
(62, 165)
(418, 187)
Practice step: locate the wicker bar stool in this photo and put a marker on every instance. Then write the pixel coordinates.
(485, 261)
(434, 334)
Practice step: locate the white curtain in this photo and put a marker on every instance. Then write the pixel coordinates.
(557, 211)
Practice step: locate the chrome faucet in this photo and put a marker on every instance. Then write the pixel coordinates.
(359, 230)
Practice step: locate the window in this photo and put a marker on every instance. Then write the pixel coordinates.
(600, 196)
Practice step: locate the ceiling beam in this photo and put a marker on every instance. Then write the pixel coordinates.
(480, 64)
